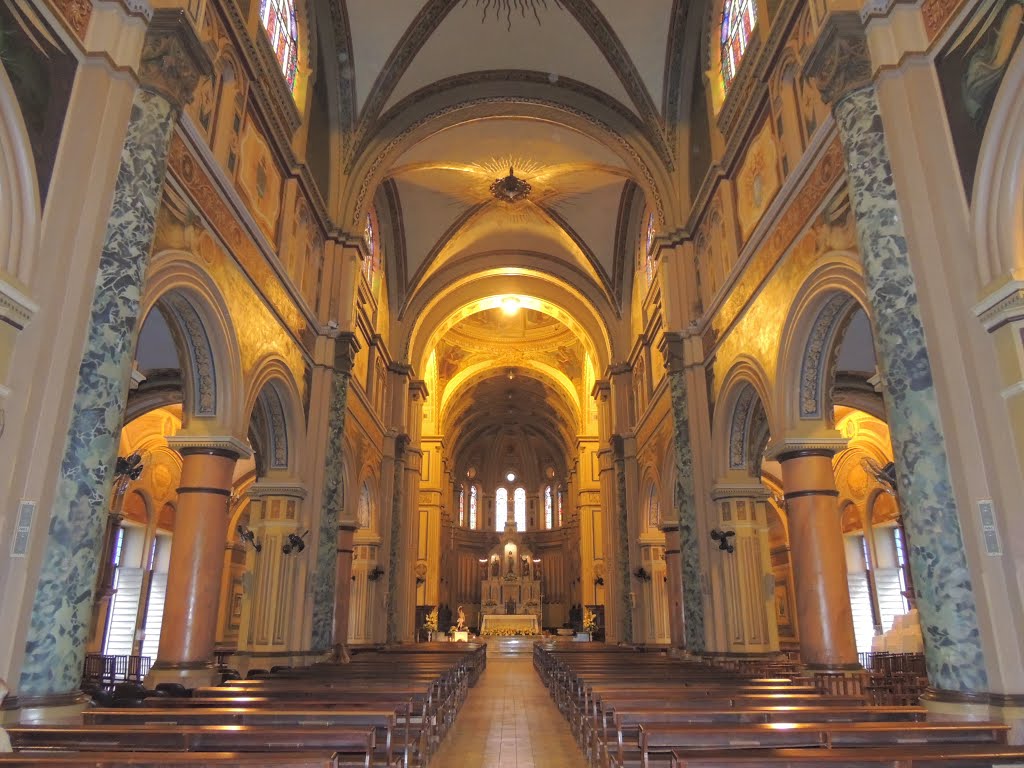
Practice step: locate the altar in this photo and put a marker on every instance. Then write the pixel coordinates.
(500, 624)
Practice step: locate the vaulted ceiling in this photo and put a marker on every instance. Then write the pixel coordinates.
(403, 62)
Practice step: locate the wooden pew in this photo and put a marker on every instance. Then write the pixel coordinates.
(657, 742)
(913, 756)
(352, 746)
(167, 759)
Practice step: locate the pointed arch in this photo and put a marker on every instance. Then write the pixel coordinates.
(19, 189)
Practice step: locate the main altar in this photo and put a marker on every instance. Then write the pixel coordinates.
(510, 596)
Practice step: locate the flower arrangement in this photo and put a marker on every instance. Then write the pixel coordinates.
(430, 623)
(589, 621)
(507, 632)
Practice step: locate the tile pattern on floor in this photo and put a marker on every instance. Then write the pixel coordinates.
(509, 719)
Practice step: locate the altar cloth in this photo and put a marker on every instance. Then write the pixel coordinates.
(495, 623)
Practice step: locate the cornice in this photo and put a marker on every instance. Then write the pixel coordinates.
(228, 444)
(739, 491)
(802, 444)
(738, 99)
(261, 489)
(16, 308)
(1002, 306)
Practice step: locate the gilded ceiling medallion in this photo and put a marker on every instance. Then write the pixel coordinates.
(511, 189)
(508, 7)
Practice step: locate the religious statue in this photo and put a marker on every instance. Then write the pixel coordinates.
(511, 565)
(494, 567)
(525, 570)
(461, 624)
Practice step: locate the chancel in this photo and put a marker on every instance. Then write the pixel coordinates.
(494, 382)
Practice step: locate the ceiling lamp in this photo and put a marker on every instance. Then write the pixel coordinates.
(510, 305)
(511, 189)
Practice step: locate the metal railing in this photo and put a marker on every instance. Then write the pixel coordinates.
(108, 671)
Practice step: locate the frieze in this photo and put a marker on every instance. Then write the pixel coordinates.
(183, 165)
(936, 15)
(75, 13)
(824, 176)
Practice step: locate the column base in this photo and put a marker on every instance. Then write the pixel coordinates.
(190, 674)
(955, 705)
(52, 708)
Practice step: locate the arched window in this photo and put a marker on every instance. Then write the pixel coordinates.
(500, 508)
(519, 499)
(278, 18)
(473, 493)
(738, 20)
(653, 507)
(549, 508)
(561, 494)
(462, 505)
(369, 234)
(649, 249)
(364, 512)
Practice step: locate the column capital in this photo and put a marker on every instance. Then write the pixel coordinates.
(173, 58)
(261, 489)
(214, 445)
(839, 62)
(602, 390)
(418, 391)
(1003, 305)
(797, 447)
(680, 349)
(346, 346)
(739, 491)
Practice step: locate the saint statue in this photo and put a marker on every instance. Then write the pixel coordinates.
(511, 565)
(494, 567)
(461, 623)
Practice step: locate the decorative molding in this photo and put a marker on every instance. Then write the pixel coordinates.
(202, 366)
(261, 489)
(346, 346)
(937, 14)
(757, 492)
(739, 428)
(830, 445)
(76, 14)
(173, 58)
(16, 308)
(1002, 306)
(814, 368)
(839, 63)
(228, 444)
(739, 100)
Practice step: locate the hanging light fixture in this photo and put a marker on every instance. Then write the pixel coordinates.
(511, 189)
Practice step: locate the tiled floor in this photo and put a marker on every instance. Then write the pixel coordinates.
(509, 720)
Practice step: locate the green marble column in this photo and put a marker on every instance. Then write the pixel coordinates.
(684, 501)
(395, 554)
(172, 62)
(325, 568)
(841, 66)
(622, 539)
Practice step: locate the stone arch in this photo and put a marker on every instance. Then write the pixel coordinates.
(425, 113)
(997, 206)
(205, 336)
(19, 189)
(276, 418)
(742, 420)
(811, 338)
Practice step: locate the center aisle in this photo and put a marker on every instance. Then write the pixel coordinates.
(509, 719)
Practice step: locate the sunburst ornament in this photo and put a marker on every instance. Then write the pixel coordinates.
(508, 7)
(511, 189)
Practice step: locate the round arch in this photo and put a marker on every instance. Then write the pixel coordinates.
(744, 386)
(205, 336)
(273, 391)
(811, 337)
(19, 188)
(997, 206)
(486, 290)
(424, 114)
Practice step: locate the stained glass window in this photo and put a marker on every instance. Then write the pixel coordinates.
(560, 495)
(370, 265)
(472, 506)
(500, 508)
(649, 249)
(738, 20)
(462, 505)
(519, 500)
(278, 17)
(549, 512)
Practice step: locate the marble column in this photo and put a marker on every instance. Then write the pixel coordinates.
(749, 602)
(684, 501)
(326, 566)
(343, 592)
(674, 572)
(622, 569)
(172, 62)
(395, 570)
(840, 65)
(823, 607)
(189, 628)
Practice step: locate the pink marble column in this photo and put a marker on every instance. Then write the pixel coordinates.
(197, 560)
(343, 587)
(674, 571)
(819, 558)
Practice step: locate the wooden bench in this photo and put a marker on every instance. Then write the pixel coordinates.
(352, 746)
(916, 756)
(164, 759)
